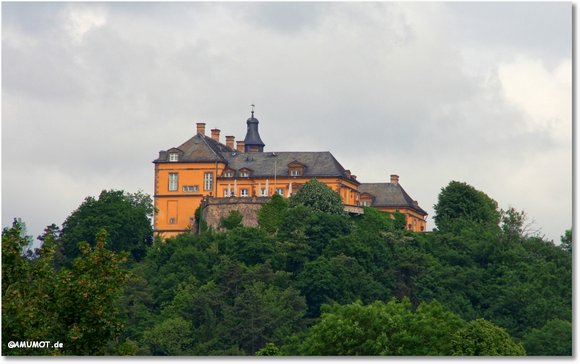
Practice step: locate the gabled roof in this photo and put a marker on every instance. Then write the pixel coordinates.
(199, 148)
(390, 195)
(319, 164)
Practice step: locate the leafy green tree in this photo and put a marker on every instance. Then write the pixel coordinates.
(566, 240)
(553, 339)
(263, 313)
(86, 295)
(338, 279)
(232, 221)
(170, 337)
(126, 217)
(381, 328)
(482, 338)
(29, 311)
(269, 350)
(318, 197)
(461, 206)
(271, 214)
(75, 306)
(250, 246)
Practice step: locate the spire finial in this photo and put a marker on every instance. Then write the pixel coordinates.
(253, 110)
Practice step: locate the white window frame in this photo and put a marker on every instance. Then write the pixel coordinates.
(263, 192)
(173, 181)
(280, 191)
(173, 157)
(208, 181)
(295, 173)
(246, 194)
(229, 174)
(245, 174)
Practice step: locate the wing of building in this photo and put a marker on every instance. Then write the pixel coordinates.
(204, 167)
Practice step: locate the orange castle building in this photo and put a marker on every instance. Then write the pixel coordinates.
(203, 166)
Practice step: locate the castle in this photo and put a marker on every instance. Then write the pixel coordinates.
(203, 168)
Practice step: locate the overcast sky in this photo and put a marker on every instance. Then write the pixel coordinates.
(474, 92)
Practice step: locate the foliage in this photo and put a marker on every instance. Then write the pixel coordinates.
(461, 206)
(318, 197)
(271, 214)
(304, 282)
(74, 306)
(381, 328)
(482, 338)
(566, 240)
(233, 220)
(125, 216)
(553, 339)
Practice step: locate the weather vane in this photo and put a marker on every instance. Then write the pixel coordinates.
(253, 110)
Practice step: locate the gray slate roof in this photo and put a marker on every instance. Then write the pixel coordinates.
(390, 195)
(199, 148)
(317, 164)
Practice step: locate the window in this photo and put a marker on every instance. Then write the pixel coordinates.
(172, 221)
(208, 181)
(173, 157)
(295, 172)
(263, 192)
(244, 174)
(229, 173)
(244, 192)
(365, 203)
(280, 191)
(190, 188)
(228, 193)
(172, 181)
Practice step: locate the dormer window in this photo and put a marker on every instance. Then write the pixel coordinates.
(245, 172)
(229, 173)
(173, 157)
(296, 169)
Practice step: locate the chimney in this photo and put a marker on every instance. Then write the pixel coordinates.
(201, 128)
(230, 141)
(215, 135)
(241, 145)
(394, 179)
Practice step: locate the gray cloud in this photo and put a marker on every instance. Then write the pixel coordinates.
(92, 91)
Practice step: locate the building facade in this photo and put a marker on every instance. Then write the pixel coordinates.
(204, 167)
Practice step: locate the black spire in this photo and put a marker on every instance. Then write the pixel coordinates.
(253, 142)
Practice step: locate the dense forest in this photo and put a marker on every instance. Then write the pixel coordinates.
(309, 280)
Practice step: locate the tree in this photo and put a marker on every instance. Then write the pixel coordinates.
(170, 337)
(460, 205)
(380, 328)
(553, 339)
(566, 240)
(75, 306)
(261, 314)
(29, 311)
(482, 338)
(232, 221)
(338, 279)
(318, 197)
(86, 297)
(271, 214)
(126, 217)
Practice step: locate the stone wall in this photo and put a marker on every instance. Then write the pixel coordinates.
(216, 208)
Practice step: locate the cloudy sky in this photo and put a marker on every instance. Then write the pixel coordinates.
(434, 92)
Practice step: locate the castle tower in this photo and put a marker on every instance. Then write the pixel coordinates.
(253, 142)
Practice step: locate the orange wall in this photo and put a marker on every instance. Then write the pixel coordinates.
(174, 209)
